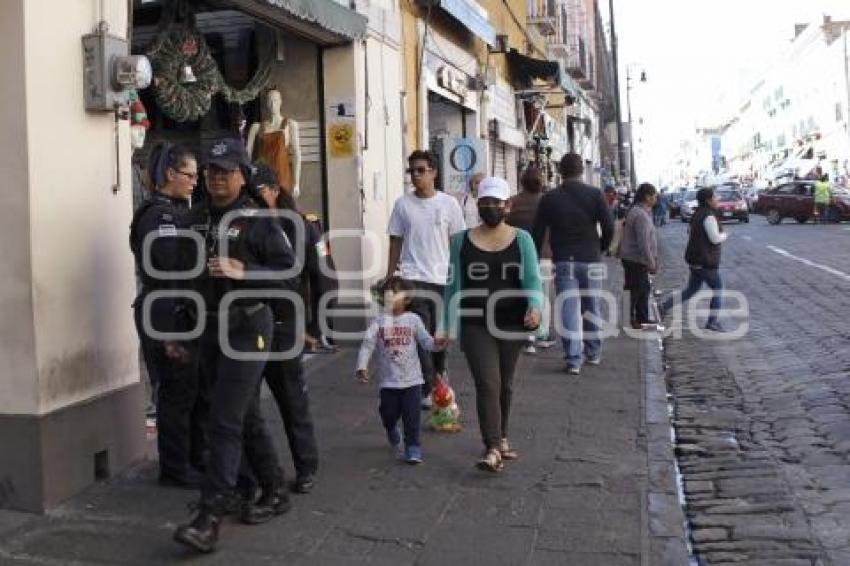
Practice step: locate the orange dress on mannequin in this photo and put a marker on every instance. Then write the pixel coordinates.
(273, 150)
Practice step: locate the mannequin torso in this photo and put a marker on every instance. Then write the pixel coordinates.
(276, 142)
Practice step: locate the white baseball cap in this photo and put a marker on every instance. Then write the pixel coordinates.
(494, 187)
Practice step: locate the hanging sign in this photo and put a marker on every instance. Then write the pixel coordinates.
(462, 158)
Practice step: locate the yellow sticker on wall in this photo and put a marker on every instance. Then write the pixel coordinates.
(341, 140)
(261, 344)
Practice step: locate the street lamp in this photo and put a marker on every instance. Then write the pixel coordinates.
(632, 172)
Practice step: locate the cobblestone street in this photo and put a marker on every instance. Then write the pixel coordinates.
(762, 422)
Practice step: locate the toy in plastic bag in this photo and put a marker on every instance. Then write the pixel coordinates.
(445, 414)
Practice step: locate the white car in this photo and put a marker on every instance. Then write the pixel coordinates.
(689, 205)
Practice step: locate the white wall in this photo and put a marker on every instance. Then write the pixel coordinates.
(378, 171)
(82, 270)
(18, 393)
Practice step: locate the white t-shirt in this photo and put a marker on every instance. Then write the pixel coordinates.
(395, 339)
(425, 225)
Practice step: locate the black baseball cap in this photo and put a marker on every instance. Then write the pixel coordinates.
(229, 154)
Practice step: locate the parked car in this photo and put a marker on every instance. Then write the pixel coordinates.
(796, 200)
(688, 206)
(732, 205)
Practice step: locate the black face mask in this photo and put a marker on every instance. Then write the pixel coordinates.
(491, 216)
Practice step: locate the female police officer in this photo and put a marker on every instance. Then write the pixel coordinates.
(246, 251)
(172, 366)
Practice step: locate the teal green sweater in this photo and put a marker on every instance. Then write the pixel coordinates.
(450, 322)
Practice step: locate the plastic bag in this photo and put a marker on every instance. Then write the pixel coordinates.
(445, 414)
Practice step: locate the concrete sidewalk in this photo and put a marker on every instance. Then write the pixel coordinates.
(595, 484)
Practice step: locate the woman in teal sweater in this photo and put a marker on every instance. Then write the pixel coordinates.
(494, 297)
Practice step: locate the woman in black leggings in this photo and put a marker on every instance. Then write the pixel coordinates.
(494, 271)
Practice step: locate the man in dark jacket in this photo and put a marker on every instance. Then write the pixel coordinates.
(703, 257)
(580, 226)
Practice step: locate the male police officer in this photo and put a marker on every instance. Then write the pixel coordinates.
(244, 252)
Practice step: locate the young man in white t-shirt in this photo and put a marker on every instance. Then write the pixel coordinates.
(420, 227)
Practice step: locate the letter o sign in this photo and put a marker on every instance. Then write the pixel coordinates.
(463, 158)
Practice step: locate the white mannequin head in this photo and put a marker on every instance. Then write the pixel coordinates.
(137, 136)
(273, 102)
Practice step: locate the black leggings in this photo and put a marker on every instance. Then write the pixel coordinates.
(432, 362)
(637, 283)
(493, 364)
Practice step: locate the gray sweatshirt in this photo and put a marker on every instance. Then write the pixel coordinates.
(638, 243)
(395, 338)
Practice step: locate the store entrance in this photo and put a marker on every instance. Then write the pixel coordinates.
(248, 58)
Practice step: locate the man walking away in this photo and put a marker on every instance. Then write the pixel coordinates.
(703, 257)
(420, 227)
(639, 254)
(575, 216)
(522, 210)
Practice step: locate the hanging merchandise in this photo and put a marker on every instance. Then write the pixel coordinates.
(186, 76)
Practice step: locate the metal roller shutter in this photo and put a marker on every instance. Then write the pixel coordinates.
(498, 163)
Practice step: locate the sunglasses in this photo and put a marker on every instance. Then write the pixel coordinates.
(419, 170)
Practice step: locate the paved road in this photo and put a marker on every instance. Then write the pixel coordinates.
(763, 422)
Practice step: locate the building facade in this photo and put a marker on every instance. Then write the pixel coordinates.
(795, 118)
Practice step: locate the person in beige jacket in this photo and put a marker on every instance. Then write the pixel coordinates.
(638, 251)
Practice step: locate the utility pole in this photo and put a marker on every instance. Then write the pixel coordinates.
(632, 172)
(621, 150)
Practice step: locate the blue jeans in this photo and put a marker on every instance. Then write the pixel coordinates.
(700, 276)
(404, 404)
(582, 335)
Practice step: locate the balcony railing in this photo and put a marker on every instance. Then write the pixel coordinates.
(577, 59)
(542, 15)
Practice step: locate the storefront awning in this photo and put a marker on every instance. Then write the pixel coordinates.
(469, 13)
(323, 21)
(526, 69)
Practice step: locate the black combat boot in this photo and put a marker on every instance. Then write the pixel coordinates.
(202, 533)
(273, 501)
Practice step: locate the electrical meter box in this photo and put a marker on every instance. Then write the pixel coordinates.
(100, 51)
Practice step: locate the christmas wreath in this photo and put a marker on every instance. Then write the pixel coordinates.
(181, 51)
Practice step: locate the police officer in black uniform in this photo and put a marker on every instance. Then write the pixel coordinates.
(172, 365)
(285, 377)
(244, 252)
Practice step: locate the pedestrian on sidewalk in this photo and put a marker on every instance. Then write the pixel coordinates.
(576, 219)
(396, 335)
(172, 365)
(468, 201)
(659, 209)
(244, 252)
(493, 299)
(420, 227)
(703, 257)
(639, 253)
(285, 377)
(522, 210)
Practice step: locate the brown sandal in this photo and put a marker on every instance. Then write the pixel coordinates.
(506, 451)
(491, 461)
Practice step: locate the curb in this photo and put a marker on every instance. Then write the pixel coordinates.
(664, 524)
